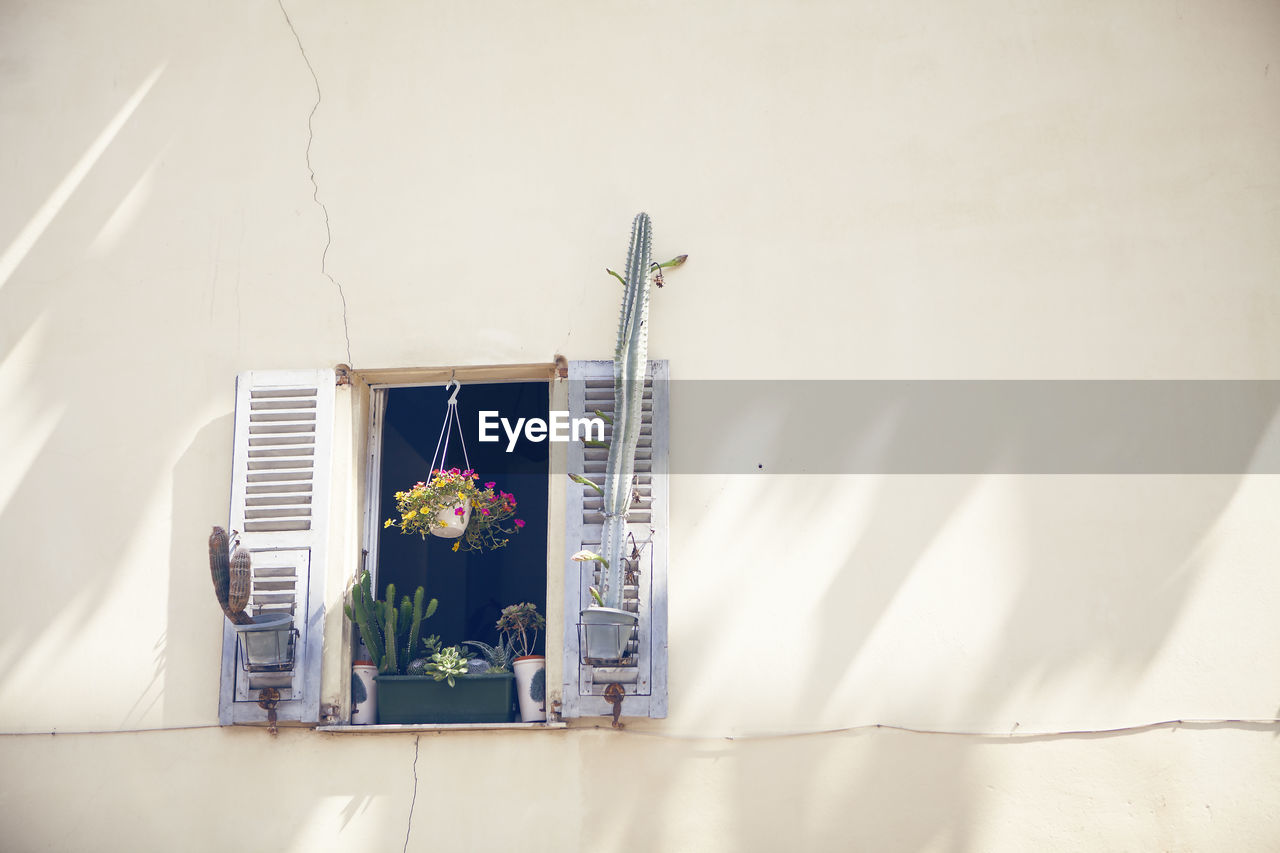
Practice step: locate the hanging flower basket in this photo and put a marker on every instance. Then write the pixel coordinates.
(453, 505)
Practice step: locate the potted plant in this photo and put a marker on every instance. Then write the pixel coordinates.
(418, 681)
(266, 641)
(451, 504)
(631, 357)
(493, 658)
(605, 632)
(519, 625)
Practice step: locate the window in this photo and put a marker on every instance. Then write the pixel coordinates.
(314, 448)
(472, 587)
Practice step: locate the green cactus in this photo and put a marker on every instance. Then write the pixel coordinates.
(390, 663)
(363, 610)
(390, 632)
(417, 666)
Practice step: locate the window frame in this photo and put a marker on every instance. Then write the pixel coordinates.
(358, 498)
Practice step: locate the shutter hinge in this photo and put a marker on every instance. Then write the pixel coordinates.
(562, 366)
(330, 713)
(343, 374)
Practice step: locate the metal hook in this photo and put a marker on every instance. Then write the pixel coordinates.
(455, 385)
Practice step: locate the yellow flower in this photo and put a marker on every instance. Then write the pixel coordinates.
(410, 514)
(389, 522)
(455, 545)
(461, 496)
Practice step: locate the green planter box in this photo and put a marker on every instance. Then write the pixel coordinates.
(481, 698)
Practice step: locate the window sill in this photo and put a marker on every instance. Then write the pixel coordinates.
(438, 727)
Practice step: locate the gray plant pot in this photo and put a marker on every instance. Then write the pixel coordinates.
(603, 633)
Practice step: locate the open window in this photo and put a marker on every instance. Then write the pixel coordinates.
(318, 457)
(472, 587)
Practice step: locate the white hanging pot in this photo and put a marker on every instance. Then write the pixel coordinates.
(454, 525)
(531, 686)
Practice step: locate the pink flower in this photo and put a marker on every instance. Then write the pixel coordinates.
(484, 510)
(519, 523)
(490, 485)
(459, 512)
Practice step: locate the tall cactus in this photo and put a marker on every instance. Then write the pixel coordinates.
(231, 576)
(363, 610)
(391, 662)
(630, 359)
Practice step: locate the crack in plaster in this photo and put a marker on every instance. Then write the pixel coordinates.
(315, 195)
(414, 799)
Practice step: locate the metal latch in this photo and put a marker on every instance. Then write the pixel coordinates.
(614, 694)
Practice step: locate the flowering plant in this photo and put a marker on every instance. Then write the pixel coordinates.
(493, 520)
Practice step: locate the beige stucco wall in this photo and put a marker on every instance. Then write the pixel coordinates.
(867, 190)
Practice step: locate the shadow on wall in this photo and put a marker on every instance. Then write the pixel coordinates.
(123, 323)
(941, 602)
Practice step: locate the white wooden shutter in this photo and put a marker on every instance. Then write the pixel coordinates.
(280, 479)
(645, 682)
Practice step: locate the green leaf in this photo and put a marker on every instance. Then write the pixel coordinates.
(591, 442)
(583, 481)
(603, 417)
(615, 275)
(678, 260)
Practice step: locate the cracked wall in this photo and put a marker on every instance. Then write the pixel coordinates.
(199, 189)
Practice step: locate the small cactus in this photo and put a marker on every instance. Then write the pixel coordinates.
(238, 594)
(417, 666)
(231, 576)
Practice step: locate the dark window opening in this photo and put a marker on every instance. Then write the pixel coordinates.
(472, 587)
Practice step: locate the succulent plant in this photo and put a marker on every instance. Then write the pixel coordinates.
(447, 664)
(498, 657)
